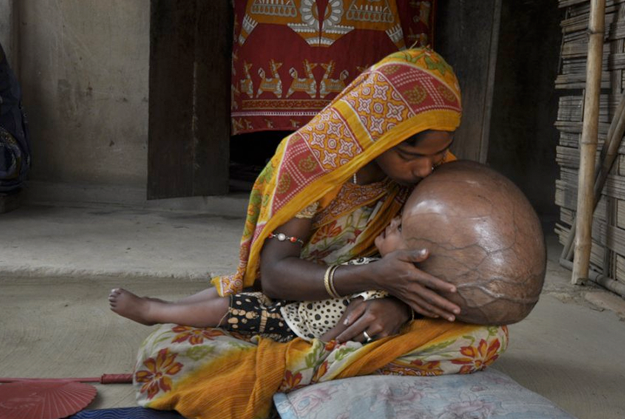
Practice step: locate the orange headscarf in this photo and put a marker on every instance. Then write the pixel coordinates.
(405, 93)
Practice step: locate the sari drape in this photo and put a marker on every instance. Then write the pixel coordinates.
(404, 94)
(213, 374)
(210, 373)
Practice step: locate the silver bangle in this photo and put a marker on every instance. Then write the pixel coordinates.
(284, 238)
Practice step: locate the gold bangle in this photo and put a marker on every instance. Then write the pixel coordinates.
(327, 278)
(331, 282)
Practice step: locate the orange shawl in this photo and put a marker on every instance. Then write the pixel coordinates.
(402, 95)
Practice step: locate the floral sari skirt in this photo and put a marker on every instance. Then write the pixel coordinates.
(210, 373)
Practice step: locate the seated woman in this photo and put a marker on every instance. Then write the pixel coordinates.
(334, 185)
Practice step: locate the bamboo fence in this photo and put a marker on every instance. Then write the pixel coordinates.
(591, 117)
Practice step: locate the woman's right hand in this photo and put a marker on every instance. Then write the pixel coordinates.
(396, 273)
(378, 318)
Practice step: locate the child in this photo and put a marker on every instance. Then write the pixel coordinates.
(253, 312)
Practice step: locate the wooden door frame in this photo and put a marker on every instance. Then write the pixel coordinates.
(189, 104)
(467, 34)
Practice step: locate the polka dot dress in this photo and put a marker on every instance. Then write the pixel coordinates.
(311, 319)
(281, 321)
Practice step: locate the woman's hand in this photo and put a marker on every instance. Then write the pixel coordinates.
(396, 273)
(377, 318)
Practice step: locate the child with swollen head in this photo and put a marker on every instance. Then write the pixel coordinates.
(253, 312)
(479, 232)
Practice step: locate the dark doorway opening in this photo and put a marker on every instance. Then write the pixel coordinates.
(249, 153)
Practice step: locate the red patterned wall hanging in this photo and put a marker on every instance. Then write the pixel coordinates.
(291, 57)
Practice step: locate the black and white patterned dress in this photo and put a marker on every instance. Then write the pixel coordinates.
(253, 312)
(312, 319)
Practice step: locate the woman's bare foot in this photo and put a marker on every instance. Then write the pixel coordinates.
(133, 307)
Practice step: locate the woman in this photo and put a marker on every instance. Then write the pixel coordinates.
(332, 186)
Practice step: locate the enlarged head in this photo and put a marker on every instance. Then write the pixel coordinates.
(483, 236)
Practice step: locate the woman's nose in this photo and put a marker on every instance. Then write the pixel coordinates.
(423, 168)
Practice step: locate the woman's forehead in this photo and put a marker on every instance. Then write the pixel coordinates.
(427, 141)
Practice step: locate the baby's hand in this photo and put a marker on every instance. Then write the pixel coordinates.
(391, 238)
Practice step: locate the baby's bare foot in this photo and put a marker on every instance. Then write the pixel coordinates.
(133, 307)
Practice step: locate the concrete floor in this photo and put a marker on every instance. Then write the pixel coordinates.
(57, 265)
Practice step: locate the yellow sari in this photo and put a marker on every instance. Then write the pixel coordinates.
(210, 373)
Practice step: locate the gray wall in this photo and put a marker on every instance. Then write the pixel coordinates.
(84, 74)
(523, 138)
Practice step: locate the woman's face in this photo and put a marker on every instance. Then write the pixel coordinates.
(412, 160)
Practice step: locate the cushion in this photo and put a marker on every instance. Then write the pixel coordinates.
(487, 394)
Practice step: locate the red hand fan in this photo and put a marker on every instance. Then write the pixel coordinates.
(32, 398)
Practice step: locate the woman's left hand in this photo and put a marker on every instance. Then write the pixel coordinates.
(370, 320)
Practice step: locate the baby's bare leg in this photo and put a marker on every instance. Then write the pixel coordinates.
(205, 294)
(201, 313)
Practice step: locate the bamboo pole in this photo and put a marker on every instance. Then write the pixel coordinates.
(588, 146)
(606, 161)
